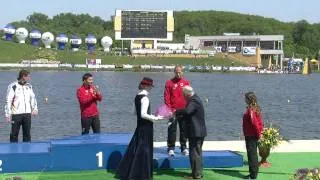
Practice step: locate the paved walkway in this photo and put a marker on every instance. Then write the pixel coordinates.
(290, 146)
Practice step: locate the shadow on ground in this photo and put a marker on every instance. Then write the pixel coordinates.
(174, 173)
(233, 173)
(243, 173)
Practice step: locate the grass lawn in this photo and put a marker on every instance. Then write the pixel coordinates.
(283, 167)
(13, 52)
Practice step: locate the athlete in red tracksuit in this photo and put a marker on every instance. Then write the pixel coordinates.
(252, 129)
(174, 99)
(88, 96)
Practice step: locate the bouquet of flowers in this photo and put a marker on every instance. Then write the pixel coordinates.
(309, 174)
(270, 138)
(164, 111)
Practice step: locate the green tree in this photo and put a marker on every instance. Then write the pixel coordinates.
(301, 38)
(299, 30)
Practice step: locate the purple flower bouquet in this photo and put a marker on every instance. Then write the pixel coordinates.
(164, 111)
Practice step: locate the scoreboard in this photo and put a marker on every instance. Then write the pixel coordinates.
(143, 25)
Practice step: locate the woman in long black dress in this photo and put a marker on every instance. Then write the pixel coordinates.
(137, 163)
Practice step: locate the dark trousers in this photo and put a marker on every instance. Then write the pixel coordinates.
(172, 134)
(92, 122)
(251, 145)
(18, 120)
(195, 156)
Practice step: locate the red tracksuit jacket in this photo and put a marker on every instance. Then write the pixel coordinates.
(173, 95)
(88, 102)
(252, 123)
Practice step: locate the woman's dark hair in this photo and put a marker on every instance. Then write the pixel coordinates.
(86, 76)
(252, 101)
(23, 73)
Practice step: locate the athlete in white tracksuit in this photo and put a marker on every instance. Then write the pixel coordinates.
(20, 104)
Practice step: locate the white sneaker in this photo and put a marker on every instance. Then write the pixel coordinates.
(185, 152)
(171, 153)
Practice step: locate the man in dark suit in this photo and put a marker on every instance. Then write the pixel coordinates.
(195, 129)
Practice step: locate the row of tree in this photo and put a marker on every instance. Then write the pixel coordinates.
(301, 38)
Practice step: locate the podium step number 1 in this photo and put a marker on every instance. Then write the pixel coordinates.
(99, 155)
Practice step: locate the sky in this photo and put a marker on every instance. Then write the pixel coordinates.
(283, 10)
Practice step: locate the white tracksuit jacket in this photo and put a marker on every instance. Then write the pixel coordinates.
(20, 99)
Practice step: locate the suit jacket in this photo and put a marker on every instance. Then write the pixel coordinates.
(194, 116)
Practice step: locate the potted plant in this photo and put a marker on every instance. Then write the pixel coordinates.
(270, 138)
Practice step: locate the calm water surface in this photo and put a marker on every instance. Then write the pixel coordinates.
(290, 102)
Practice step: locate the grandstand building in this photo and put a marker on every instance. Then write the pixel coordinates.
(258, 50)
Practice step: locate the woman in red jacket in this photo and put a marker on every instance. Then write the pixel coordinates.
(252, 129)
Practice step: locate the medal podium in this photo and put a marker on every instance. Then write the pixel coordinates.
(94, 152)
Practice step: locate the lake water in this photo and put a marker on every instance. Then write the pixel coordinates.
(290, 102)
